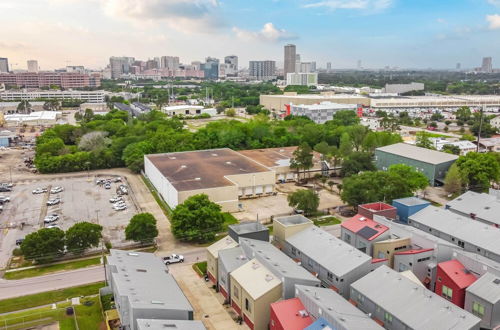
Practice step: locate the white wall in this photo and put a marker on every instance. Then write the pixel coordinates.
(162, 185)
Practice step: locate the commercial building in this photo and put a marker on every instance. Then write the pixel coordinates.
(452, 280)
(362, 232)
(144, 290)
(37, 118)
(477, 206)
(169, 62)
(282, 102)
(139, 108)
(231, 62)
(433, 164)
(396, 302)
(468, 234)
(289, 314)
(253, 288)
(464, 146)
(229, 260)
(289, 59)
(487, 65)
(285, 227)
(302, 78)
(120, 66)
(262, 70)
(448, 101)
(97, 108)
(8, 108)
(334, 262)
(211, 68)
(87, 96)
(151, 324)
(483, 300)
(47, 79)
(187, 110)
(250, 229)
(320, 113)
(213, 256)
(4, 64)
(403, 88)
(408, 206)
(330, 307)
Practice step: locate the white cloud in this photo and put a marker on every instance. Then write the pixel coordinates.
(268, 33)
(494, 21)
(494, 2)
(369, 5)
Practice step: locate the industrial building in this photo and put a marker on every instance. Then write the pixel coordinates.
(187, 110)
(144, 290)
(433, 164)
(87, 96)
(281, 102)
(337, 268)
(37, 118)
(477, 206)
(403, 88)
(396, 303)
(302, 78)
(213, 256)
(223, 174)
(448, 101)
(8, 108)
(320, 113)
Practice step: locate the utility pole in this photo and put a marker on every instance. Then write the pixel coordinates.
(480, 127)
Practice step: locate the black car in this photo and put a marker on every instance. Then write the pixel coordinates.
(19, 241)
(5, 189)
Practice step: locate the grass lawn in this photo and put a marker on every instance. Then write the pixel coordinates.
(271, 229)
(44, 298)
(44, 270)
(326, 221)
(89, 317)
(200, 268)
(229, 219)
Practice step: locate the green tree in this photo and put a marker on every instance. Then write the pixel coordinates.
(415, 180)
(423, 140)
(230, 112)
(478, 170)
(463, 114)
(345, 147)
(24, 107)
(83, 235)
(197, 219)
(43, 245)
(345, 118)
(141, 228)
(453, 181)
(451, 149)
(302, 158)
(357, 162)
(305, 200)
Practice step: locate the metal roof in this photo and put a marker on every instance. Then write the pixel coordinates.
(151, 324)
(461, 276)
(411, 201)
(320, 324)
(416, 307)
(255, 278)
(462, 228)
(142, 277)
(341, 258)
(224, 243)
(277, 262)
(335, 309)
(232, 258)
(417, 153)
(288, 313)
(276, 157)
(483, 206)
(487, 287)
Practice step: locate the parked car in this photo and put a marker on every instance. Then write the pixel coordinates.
(54, 201)
(51, 218)
(4, 199)
(5, 189)
(99, 182)
(39, 191)
(107, 186)
(120, 207)
(19, 241)
(53, 226)
(115, 199)
(118, 179)
(56, 190)
(122, 190)
(173, 259)
(6, 184)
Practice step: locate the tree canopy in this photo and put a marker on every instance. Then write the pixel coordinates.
(305, 200)
(478, 170)
(142, 228)
(83, 235)
(43, 245)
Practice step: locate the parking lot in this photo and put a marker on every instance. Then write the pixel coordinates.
(80, 200)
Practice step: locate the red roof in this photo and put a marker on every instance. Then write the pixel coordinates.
(414, 251)
(457, 273)
(287, 313)
(358, 222)
(378, 206)
(374, 261)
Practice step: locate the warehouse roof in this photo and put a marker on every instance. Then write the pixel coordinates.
(416, 307)
(225, 243)
(291, 314)
(271, 157)
(482, 206)
(255, 278)
(232, 258)
(421, 154)
(462, 228)
(152, 324)
(487, 287)
(457, 273)
(411, 201)
(193, 170)
(335, 308)
(342, 259)
(143, 279)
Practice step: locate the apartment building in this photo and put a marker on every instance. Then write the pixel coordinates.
(47, 79)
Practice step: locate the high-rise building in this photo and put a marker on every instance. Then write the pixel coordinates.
(120, 65)
(262, 70)
(4, 64)
(359, 66)
(290, 59)
(170, 62)
(211, 68)
(302, 78)
(487, 66)
(32, 66)
(459, 66)
(328, 66)
(231, 62)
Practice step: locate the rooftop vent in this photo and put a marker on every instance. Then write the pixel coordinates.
(132, 254)
(172, 157)
(197, 179)
(157, 302)
(228, 163)
(282, 150)
(255, 266)
(214, 155)
(362, 219)
(496, 281)
(142, 270)
(269, 278)
(183, 166)
(303, 313)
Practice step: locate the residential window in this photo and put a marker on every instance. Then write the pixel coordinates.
(423, 259)
(347, 238)
(236, 292)
(361, 298)
(248, 305)
(294, 251)
(387, 318)
(310, 262)
(402, 267)
(439, 279)
(447, 292)
(381, 255)
(477, 309)
(329, 275)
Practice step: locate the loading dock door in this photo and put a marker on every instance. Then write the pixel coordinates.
(259, 190)
(269, 189)
(248, 191)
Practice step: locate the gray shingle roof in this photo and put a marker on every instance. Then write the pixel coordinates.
(341, 258)
(415, 306)
(487, 287)
(421, 154)
(484, 206)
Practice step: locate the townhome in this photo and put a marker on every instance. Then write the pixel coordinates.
(284, 227)
(289, 314)
(228, 261)
(452, 281)
(408, 206)
(361, 232)
(483, 300)
(249, 229)
(477, 206)
(213, 256)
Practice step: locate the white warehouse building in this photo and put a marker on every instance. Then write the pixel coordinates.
(320, 113)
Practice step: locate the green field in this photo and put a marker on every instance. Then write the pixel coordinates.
(44, 270)
(328, 221)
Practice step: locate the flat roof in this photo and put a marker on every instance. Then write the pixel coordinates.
(462, 228)
(232, 258)
(342, 257)
(202, 169)
(326, 105)
(364, 227)
(142, 277)
(292, 220)
(248, 227)
(288, 314)
(275, 157)
(255, 278)
(483, 206)
(153, 324)
(224, 243)
(335, 309)
(320, 324)
(411, 201)
(487, 287)
(415, 306)
(421, 154)
(457, 273)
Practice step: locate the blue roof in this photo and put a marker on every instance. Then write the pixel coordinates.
(320, 324)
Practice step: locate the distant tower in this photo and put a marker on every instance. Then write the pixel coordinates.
(487, 66)
(459, 66)
(329, 66)
(290, 59)
(32, 66)
(359, 65)
(4, 64)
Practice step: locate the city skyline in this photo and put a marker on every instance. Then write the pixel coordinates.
(378, 32)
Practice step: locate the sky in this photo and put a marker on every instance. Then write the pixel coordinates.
(405, 33)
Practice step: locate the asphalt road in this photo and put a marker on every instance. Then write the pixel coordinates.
(16, 288)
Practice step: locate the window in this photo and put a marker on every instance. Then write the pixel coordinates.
(362, 247)
(310, 262)
(236, 292)
(477, 309)
(388, 318)
(198, 111)
(294, 251)
(402, 267)
(347, 238)
(423, 259)
(439, 279)
(329, 275)
(361, 298)
(447, 292)
(381, 255)
(248, 305)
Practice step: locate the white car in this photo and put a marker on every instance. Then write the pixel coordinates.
(53, 201)
(173, 259)
(53, 226)
(115, 199)
(107, 186)
(51, 218)
(56, 190)
(120, 208)
(39, 191)
(4, 199)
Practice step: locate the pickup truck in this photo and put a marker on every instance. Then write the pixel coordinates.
(173, 259)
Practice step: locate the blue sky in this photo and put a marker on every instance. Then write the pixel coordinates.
(404, 33)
